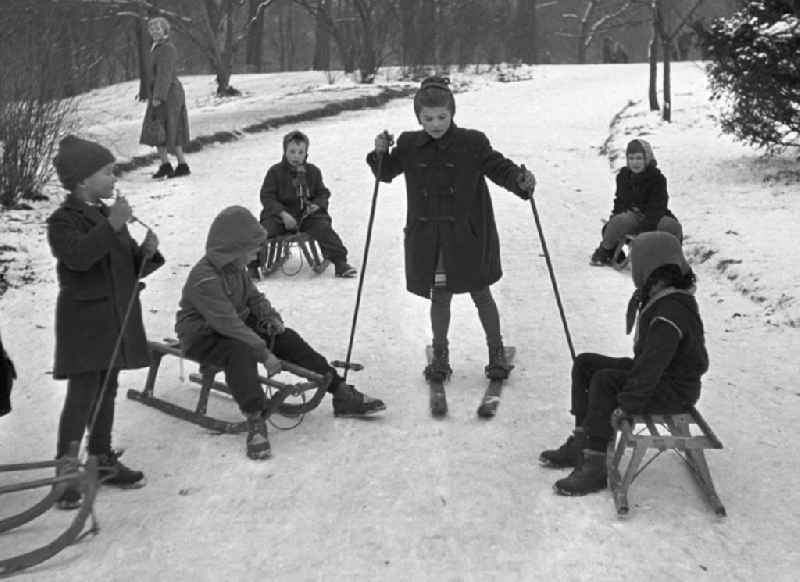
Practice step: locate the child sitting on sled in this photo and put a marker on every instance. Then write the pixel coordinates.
(225, 321)
(295, 199)
(98, 267)
(451, 241)
(640, 203)
(663, 375)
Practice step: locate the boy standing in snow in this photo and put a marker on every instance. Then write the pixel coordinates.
(451, 241)
(294, 198)
(640, 202)
(225, 321)
(99, 265)
(663, 376)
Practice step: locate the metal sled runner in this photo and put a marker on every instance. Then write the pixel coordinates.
(277, 249)
(678, 436)
(316, 383)
(70, 473)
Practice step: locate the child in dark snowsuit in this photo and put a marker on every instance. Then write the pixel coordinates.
(294, 198)
(7, 376)
(663, 376)
(98, 269)
(451, 241)
(224, 320)
(640, 202)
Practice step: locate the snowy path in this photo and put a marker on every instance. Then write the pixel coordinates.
(409, 497)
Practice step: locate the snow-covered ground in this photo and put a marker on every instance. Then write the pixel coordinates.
(409, 497)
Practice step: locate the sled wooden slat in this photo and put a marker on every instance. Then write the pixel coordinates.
(276, 250)
(206, 378)
(678, 437)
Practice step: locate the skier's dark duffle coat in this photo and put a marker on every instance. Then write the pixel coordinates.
(449, 208)
(97, 272)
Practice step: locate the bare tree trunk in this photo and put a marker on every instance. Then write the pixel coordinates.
(144, 60)
(653, 57)
(255, 37)
(667, 113)
(322, 40)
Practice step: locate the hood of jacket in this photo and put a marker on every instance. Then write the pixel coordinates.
(234, 233)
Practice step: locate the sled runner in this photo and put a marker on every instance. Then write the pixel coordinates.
(491, 398)
(316, 383)
(677, 436)
(277, 251)
(70, 472)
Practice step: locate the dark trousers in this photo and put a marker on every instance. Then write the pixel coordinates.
(320, 226)
(240, 364)
(487, 312)
(596, 381)
(79, 406)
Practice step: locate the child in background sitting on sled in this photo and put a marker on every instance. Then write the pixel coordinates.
(98, 269)
(451, 241)
(225, 321)
(640, 202)
(294, 198)
(663, 376)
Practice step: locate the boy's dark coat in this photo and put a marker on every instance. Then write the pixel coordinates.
(449, 207)
(97, 270)
(278, 192)
(646, 191)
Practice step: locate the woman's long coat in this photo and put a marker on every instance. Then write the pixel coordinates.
(166, 87)
(97, 273)
(449, 209)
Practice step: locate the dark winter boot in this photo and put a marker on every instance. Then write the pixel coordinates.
(601, 256)
(113, 472)
(567, 455)
(71, 497)
(343, 270)
(498, 368)
(589, 477)
(164, 171)
(180, 170)
(257, 443)
(439, 369)
(347, 401)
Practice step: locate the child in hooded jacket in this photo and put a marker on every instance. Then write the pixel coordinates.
(640, 202)
(98, 267)
(451, 240)
(294, 198)
(669, 359)
(226, 321)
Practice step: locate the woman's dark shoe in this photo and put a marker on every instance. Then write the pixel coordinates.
(164, 171)
(180, 170)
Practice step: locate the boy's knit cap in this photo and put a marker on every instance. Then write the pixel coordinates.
(77, 159)
(295, 135)
(435, 83)
(651, 250)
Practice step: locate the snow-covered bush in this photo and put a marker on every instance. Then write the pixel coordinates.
(755, 73)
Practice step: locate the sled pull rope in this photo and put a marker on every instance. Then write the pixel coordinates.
(552, 275)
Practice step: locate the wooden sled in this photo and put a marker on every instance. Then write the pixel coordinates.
(317, 383)
(70, 472)
(277, 250)
(677, 436)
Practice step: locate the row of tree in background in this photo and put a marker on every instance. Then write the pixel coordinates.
(55, 49)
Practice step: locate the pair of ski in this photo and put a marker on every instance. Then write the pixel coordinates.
(491, 396)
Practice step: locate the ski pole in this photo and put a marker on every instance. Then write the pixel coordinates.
(552, 277)
(363, 263)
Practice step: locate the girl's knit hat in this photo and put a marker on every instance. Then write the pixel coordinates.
(434, 90)
(77, 159)
(640, 146)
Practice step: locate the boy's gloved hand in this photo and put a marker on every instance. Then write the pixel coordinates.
(618, 416)
(289, 223)
(312, 208)
(150, 244)
(383, 142)
(526, 180)
(119, 213)
(272, 364)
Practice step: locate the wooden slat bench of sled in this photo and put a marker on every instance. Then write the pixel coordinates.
(276, 251)
(677, 436)
(279, 391)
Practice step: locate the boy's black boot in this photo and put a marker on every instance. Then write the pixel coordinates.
(588, 477)
(498, 368)
(71, 498)
(344, 270)
(347, 401)
(257, 444)
(439, 369)
(601, 256)
(567, 455)
(113, 472)
(164, 171)
(180, 170)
